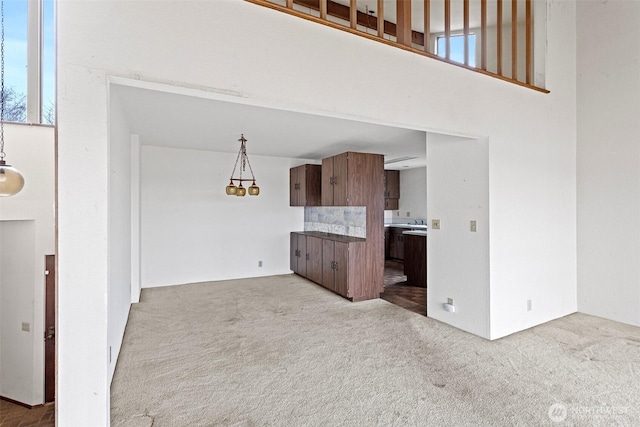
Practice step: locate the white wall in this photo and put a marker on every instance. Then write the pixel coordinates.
(119, 228)
(192, 231)
(31, 150)
(458, 260)
(17, 258)
(413, 193)
(221, 47)
(609, 160)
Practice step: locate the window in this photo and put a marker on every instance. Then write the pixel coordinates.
(15, 61)
(29, 65)
(457, 48)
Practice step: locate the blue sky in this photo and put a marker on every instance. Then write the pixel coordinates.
(15, 22)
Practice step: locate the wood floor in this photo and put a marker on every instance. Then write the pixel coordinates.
(12, 415)
(396, 291)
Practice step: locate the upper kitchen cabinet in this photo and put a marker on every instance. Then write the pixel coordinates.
(391, 189)
(304, 185)
(352, 179)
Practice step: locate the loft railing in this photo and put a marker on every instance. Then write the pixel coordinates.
(493, 37)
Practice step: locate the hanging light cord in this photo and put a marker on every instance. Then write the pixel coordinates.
(2, 94)
(242, 156)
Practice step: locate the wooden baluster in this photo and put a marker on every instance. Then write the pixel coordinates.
(499, 38)
(529, 44)
(466, 31)
(447, 29)
(427, 25)
(403, 31)
(381, 19)
(353, 14)
(483, 34)
(514, 39)
(323, 9)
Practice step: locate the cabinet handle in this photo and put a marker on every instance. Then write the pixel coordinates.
(307, 257)
(296, 186)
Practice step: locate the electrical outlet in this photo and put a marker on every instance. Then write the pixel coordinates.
(450, 301)
(26, 327)
(408, 214)
(528, 305)
(435, 224)
(259, 263)
(473, 226)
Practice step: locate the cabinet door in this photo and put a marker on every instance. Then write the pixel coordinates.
(328, 279)
(293, 252)
(293, 179)
(387, 243)
(391, 204)
(340, 174)
(312, 185)
(400, 249)
(392, 184)
(314, 259)
(302, 255)
(327, 181)
(341, 268)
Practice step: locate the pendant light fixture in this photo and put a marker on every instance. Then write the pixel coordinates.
(11, 180)
(239, 190)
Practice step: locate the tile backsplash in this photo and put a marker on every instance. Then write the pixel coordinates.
(345, 220)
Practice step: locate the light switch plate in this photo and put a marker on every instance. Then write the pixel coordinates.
(26, 327)
(473, 226)
(435, 224)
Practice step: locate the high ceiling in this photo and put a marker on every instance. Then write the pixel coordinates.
(168, 119)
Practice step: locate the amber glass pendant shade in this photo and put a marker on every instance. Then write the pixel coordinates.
(241, 191)
(11, 180)
(254, 190)
(232, 189)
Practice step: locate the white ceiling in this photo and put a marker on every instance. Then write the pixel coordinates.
(177, 120)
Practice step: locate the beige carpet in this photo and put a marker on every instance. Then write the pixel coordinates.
(282, 351)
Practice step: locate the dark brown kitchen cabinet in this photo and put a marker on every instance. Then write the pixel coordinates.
(396, 243)
(391, 189)
(339, 263)
(391, 204)
(298, 254)
(304, 185)
(335, 266)
(334, 180)
(415, 262)
(314, 259)
(353, 179)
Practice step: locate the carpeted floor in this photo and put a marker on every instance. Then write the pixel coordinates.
(283, 351)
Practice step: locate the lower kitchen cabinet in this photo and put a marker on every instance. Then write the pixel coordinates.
(396, 243)
(415, 263)
(298, 254)
(314, 259)
(336, 263)
(335, 266)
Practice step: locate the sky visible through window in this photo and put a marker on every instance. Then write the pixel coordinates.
(15, 21)
(457, 48)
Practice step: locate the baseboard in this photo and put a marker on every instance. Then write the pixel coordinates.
(15, 402)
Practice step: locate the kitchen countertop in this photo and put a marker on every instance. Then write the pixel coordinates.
(416, 232)
(408, 226)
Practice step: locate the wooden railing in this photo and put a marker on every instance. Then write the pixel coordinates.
(473, 34)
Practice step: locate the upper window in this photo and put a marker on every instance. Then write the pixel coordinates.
(457, 48)
(21, 94)
(15, 61)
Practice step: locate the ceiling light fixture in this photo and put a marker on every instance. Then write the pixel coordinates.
(240, 191)
(11, 180)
